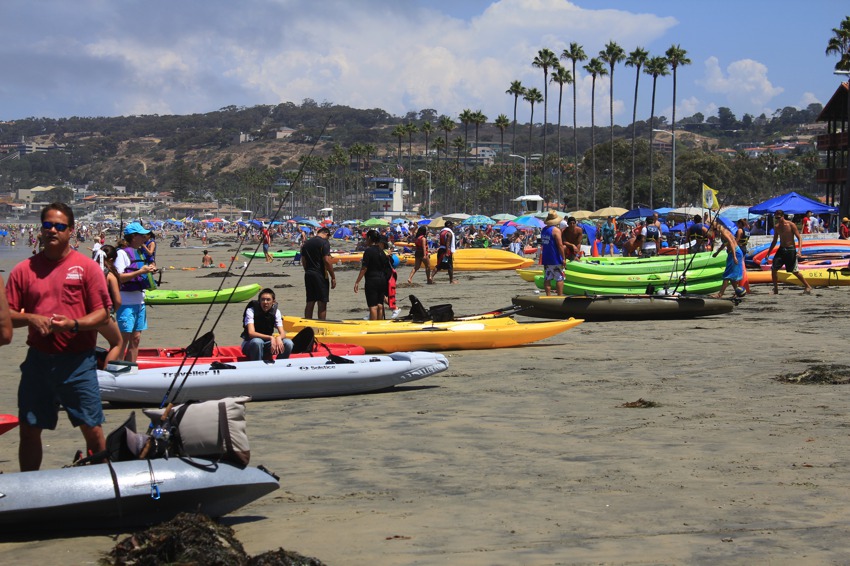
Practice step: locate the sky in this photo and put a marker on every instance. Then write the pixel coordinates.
(62, 58)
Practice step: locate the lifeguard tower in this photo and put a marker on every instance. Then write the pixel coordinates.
(529, 204)
(388, 194)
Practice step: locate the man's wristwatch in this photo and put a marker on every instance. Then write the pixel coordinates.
(76, 327)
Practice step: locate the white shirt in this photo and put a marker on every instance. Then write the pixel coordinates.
(249, 318)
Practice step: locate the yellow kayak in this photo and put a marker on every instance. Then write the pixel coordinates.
(485, 259)
(816, 277)
(528, 274)
(458, 335)
(295, 324)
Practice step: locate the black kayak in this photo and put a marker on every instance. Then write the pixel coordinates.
(622, 307)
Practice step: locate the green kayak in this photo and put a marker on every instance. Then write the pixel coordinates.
(700, 287)
(638, 279)
(205, 297)
(280, 254)
(603, 266)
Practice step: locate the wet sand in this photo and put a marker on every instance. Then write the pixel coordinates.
(525, 455)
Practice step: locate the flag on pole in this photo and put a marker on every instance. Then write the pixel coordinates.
(709, 198)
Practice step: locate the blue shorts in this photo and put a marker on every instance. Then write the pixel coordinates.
(265, 248)
(132, 318)
(734, 271)
(48, 380)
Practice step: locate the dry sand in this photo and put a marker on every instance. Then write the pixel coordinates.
(525, 455)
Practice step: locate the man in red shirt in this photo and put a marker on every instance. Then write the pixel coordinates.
(61, 296)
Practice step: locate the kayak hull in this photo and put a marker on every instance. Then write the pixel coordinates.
(86, 497)
(700, 287)
(622, 307)
(201, 297)
(283, 379)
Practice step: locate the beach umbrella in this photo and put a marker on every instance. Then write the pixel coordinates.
(610, 211)
(437, 222)
(529, 220)
(306, 229)
(424, 222)
(503, 216)
(309, 222)
(216, 220)
(580, 214)
(459, 216)
(399, 221)
(342, 232)
(376, 222)
(478, 220)
(507, 230)
(639, 212)
(351, 222)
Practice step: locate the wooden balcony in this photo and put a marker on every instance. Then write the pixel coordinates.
(827, 142)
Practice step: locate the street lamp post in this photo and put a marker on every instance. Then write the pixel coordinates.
(429, 189)
(672, 133)
(524, 173)
(242, 198)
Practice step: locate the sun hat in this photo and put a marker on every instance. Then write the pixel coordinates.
(135, 228)
(553, 219)
(845, 219)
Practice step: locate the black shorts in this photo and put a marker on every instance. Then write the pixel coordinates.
(443, 261)
(318, 288)
(375, 292)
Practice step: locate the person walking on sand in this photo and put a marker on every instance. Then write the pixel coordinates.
(267, 241)
(421, 255)
(445, 253)
(734, 272)
(316, 261)
(786, 231)
(553, 254)
(134, 272)
(374, 270)
(61, 296)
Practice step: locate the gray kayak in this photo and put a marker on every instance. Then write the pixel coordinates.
(127, 494)
(622, 307)
(284, 379)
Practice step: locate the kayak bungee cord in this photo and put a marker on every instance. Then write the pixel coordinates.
(159, 432)
(682, 277)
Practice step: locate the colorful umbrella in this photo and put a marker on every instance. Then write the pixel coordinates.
(529, 220)
(478, 220)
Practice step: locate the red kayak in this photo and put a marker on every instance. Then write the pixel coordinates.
(7, 423)
(167, 357)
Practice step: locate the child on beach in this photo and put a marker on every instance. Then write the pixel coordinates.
(110, 331)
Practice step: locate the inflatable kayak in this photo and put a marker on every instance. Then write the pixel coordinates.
(484, 259)
(176, 297)
(700, 287)
(280, 254)
(282, 379)
(622, 307)
(126, 494)
(460, 335)
(165, 357)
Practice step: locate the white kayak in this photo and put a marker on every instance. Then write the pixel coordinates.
(283, 379)
(127, 494)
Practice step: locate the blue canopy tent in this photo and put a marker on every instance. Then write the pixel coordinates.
(342, 232)
(792, 203)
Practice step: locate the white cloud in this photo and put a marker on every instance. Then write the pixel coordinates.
(809, 98)
(744, 84)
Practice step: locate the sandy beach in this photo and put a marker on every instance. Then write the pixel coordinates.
(526, 455)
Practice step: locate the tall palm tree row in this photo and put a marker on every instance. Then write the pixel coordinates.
(561, 76)
(516, 90)
(595, 69)
(465, 119)
(502, 122)
(410, 129)
(546, 59)
(655, 67)
(676, 57)
(636, 59)
(478, 120)
(575, 54)
(612, 54)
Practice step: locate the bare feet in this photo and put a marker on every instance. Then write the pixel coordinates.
(716, 296)
(807, 291)
(774, 291)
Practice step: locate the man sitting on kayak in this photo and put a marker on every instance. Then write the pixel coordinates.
(263, 335)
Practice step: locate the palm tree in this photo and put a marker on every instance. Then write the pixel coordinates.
(637, 59)
(427, 127)
(465, 119)
(561, 76)
(532, 96)
(458, 144)
(447, 125)
(839, 44)
(478, 119)
(516, 90)
(410, 129)
(399, 132)
(502, 122)
(675, 56)
(656, 67)
(575, 54)
(545, 60)
(612, 54)
(596, 69)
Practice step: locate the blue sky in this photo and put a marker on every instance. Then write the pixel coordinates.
(104, 58)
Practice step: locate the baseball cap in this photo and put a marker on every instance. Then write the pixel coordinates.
(135, 228)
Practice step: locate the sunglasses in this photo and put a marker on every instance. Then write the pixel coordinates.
(60, 227)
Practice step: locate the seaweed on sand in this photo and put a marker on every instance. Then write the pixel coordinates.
(835, 374)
